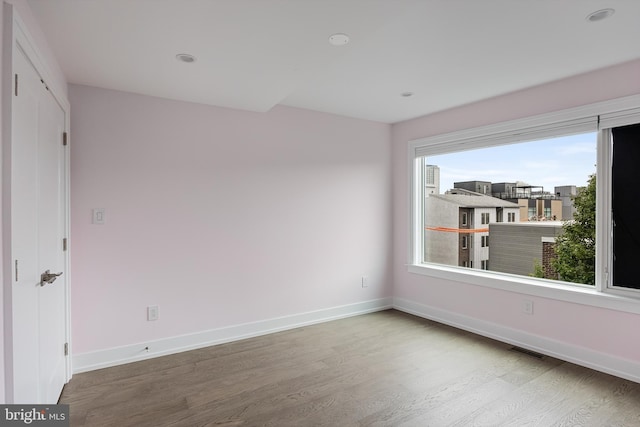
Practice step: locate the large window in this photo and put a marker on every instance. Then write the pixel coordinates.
(524, 180)
(567, 183)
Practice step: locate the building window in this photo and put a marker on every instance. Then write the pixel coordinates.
(484, 241)
(567, 134)
(465, 220)
(464, 242)
(484, 264)
(484, 218)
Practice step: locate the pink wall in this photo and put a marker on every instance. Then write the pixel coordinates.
(219, 216)
(601, 330)
(222, 217)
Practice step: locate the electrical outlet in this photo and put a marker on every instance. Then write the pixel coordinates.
(152, 312)
(527, 307)
(365, 281)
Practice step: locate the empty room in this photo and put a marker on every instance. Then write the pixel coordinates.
(320, 212)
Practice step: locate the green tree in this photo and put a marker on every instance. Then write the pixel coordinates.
(538, 271)
(576, 246)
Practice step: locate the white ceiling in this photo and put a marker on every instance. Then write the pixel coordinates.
(255, 54)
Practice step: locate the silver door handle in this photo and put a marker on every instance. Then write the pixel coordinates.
(48, 277)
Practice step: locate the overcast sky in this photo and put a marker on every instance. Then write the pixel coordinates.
(553, 162)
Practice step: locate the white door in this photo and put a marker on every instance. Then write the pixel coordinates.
(38, 228)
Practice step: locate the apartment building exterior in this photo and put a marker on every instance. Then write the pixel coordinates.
(431, 179)
(457, 227)
(566, 193)
(516, 247)
(535, 203)
(482, 187)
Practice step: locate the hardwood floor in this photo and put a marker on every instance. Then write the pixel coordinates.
(380, 369)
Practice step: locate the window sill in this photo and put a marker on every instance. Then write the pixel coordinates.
(577, 294)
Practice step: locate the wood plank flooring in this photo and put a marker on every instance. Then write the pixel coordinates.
(382, 369)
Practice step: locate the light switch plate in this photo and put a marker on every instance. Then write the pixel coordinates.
(98, 216)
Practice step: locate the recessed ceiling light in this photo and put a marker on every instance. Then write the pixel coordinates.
(406, 94)
(599, 15)
(338, 39)
(185, 57)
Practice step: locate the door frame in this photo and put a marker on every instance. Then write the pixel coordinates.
(15, 36)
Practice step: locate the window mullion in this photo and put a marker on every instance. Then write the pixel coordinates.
(417, 220)
(604, 227)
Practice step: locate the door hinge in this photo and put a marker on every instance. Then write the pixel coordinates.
(66, 349)
(64, 244)
(64, 138)
(16, 270)
(16, 84)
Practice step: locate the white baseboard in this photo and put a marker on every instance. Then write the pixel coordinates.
(623, 368)
(603, 362)
(146, 350)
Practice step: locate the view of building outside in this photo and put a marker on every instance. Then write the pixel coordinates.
(503, 208)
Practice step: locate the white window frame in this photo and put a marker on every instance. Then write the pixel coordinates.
(600, 117)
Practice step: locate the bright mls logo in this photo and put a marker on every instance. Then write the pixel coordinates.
(34, 415)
